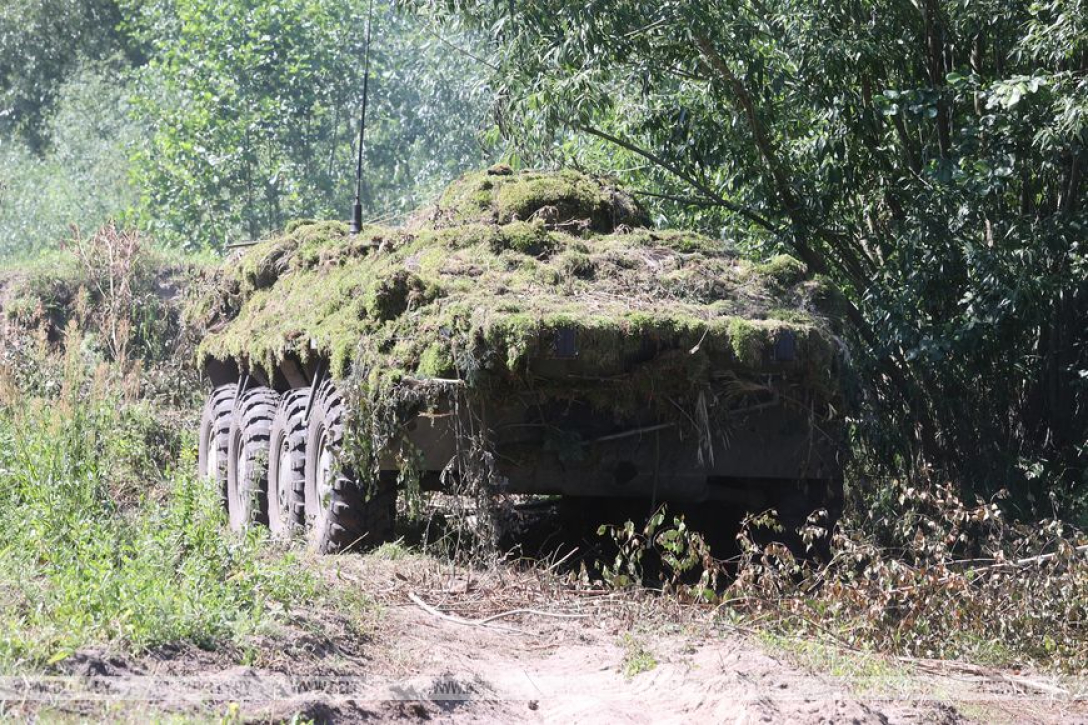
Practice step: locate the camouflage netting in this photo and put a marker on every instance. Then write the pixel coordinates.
(539, 287)
(566, 200)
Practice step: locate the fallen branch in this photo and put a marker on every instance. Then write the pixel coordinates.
(486, 621)
(630, 433)
(457, 620)
(537, 612)
(997, 565)
(1020, 563)
(559, 563)
(435, 381)
(982, 673)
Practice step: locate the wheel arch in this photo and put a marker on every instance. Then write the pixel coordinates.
(289, 373)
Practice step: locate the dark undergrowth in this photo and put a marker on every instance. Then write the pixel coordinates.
(935, 578)
(941, 578)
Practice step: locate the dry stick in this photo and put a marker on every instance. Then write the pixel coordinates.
(539, 613)
(486, 621)
(989, 562)
(1020, 563)
(944, 666)
(630, 433)
(1017, 564)
(559, 563)
(437, 381)
(459, 620)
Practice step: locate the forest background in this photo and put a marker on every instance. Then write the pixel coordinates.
(928, 157)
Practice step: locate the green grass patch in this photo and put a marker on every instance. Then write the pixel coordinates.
(393, 551)
(637, 656)
(81, 566)
(866, 671)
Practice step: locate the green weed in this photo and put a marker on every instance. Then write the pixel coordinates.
(392, 551)
(80, 565)
(637, 657)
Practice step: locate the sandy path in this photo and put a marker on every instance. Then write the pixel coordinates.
(580, 670)
(627, 659)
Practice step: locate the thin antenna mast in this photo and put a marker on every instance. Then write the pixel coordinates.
(357, 212)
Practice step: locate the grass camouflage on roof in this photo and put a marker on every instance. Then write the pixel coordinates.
(478, 287)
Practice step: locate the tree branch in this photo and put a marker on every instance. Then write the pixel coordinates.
(935, 51)
(688, 200)
(716, 198)
(784, 189)
(896, 369)
(462, 51)
(763, 143)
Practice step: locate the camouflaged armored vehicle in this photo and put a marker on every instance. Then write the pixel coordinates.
(530, 333)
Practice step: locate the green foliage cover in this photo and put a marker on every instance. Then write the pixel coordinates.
(484, 300)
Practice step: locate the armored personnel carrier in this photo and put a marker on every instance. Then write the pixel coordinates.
(530, 333)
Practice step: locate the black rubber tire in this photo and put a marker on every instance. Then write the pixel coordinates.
(287, 466)
(247, 458)
(214, 436)
(343, 514)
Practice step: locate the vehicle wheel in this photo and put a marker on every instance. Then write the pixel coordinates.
(340, 512)
(287, 466)
(247, 458)
(215, 436)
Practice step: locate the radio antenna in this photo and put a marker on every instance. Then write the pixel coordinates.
(357, 211)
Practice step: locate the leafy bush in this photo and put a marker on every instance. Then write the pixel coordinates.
(104, 546)
(82, 177)
(42, 43)
(936, 578)
(255, 105)
(678, 552)
(944, 192)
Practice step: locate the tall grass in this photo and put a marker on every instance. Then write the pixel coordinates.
(89, 558)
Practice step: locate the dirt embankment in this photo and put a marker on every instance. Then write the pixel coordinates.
(427, 642)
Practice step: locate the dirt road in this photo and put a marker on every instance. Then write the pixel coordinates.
(405, 652)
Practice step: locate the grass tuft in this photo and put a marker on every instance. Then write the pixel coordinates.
(637, 657)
